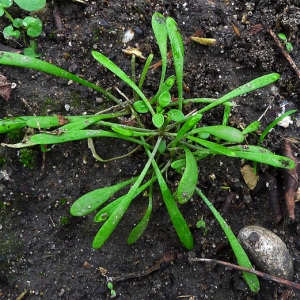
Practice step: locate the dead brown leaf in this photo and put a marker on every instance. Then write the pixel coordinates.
(5, 87)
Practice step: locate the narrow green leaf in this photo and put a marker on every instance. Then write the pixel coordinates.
(251, 127)
(160, 33)
(162, 147)
(274, 123)
(178, 55)
(226, 115)
(118, 72)
(178, 164)
(176, 217)
(113, 220)
(121, 130)
(68, 136)
(94, 199)
(145, 70)
(9, 124)
(43, 122)
(226, 133)
(189, 179)
(246, 88)
(18, 60)
(262, 155)
(189, 123)
(139, 229)
(108, 210)
(217, 148)
(238, 250)
(81, 123)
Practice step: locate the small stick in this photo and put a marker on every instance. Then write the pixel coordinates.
(57, 18)
(264, 276)
(287, 56)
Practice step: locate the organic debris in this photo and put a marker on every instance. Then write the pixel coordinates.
(134, 51)
(290, 176)
(5, 87)
(250, 178)
(204, 41)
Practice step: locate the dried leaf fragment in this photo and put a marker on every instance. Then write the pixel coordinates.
(204, 41)
(5, 87)
(250, 178)
(134, 51)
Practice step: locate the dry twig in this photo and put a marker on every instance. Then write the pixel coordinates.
(263, 275)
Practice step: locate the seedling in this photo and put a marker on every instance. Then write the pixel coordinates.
(174, 140)
(288, 45)
(31, 50)
(201, 224)
(29, 25)
(113, 293)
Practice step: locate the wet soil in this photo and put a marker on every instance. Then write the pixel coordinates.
(48, 253)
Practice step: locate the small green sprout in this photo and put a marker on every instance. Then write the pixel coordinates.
(201, 224)
(63, 201)
(113, 293)
(288, 45)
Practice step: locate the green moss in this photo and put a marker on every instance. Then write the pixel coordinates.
(64, 220)
(28, 158)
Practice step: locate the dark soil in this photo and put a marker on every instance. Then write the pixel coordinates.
(53, 260)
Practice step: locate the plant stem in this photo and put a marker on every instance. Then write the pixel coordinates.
(8, 15)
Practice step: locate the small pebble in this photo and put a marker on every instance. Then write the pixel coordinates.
(267, 251)
(128, 36)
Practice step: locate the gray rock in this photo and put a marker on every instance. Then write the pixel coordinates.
(267, 251)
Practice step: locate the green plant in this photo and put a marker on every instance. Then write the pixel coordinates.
(28, 158)
(31, 50)
(113, 293)
(176, 140)
(201, 224)
(64, 220)
(30, 25)
(288, 45)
